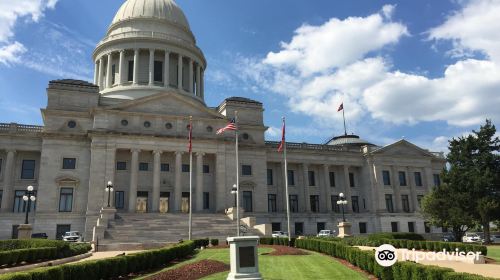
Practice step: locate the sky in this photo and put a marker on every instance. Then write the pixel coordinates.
(425, 70)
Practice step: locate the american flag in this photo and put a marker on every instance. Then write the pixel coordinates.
(230, 126)
(190, 145)
(283, 142)
(341, 107)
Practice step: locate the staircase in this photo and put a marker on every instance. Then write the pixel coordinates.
(132, 231)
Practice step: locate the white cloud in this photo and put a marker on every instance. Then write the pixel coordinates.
(9, 53)
(273, 132)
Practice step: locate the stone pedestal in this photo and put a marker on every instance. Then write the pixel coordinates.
(344, 229)
(24, 231)
(231, 213)
(244, 258)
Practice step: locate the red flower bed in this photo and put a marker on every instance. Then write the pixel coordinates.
(284, 251)
(192, 271)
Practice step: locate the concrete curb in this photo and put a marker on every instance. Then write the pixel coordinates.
(46, 263)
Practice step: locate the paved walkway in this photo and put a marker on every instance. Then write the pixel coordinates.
(107, 254)
(488, 270)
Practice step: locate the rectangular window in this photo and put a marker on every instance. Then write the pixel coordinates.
(394, 226)
(335, 206)
(388, 203)
(28, 169)
(206, 200)
(314, 200)
(355, 204)
(15, 231)
(130, 76)
(121, 165)
(411, 226)
(406, 203)
(332, 179)
(271, 203)
(66, 200)
(291, 177)
(437, 180)
(1, 195)
(362, 228)
(320, 226)
(69, 163)
(402, 178)
(247, 201)
(206, 168)
(419, 200)
(418, 179)
(19, 202)
(299, 228)
(312, 179)
(0, 166)
(185, 168)
(351, 180)
(61, 230)
(143, 166)
(120, 200)
(276, 226)
(427, 227)
(165, 167)
(246, 170)
(113, 73)
(386, 175)
(294, 203)
(158, 71)
(269, 177)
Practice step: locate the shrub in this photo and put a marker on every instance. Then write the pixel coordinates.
(276, 241)
(396, 235)
(214, 242)
(198, 243)
(27, 255)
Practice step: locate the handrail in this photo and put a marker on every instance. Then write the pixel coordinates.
(20, 128)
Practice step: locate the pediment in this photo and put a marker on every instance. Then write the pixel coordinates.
(403, 148)
(167, 103)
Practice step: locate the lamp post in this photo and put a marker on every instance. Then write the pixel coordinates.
(28, 197)
(109, 190)
(342, 201)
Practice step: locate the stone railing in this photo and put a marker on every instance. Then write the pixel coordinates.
(306, 146)
(146, 34)
(15, 128)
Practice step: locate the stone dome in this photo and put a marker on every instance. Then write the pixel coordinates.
(154, 9)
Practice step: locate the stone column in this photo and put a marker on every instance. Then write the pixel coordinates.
(178, 183)
(413, 192)
(221, 187)
(198, 87)
(397, 189)
(191, 72)
(151, 67)
(202, 83)
(307, 199)
(327, 192)
(110, 172)
(96, 73)
(101, 73)
(199, 181)
(156, 180)
(166, 74)
(347, 190)
(109, 75)
(135, 79)
(7, 182)
(134, 169)
(179, 72)
(428, 179)
(121, 67)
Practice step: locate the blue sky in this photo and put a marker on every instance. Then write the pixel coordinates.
(423, 70)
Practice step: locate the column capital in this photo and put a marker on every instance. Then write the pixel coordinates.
(178, 153)
(152, 50)
(156, 152)
(167, 51)
(200, 154)
(135, 150)
(11, 151)
(110, 53)
(122, 51)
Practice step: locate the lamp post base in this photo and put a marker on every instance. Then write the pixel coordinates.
(24, 231)
(344, 229)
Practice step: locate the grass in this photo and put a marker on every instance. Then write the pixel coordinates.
(494, 252)
(314, 266)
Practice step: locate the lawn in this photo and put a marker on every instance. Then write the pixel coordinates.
(314, 266)
(494, 252)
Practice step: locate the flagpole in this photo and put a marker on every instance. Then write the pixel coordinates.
(343, 115)
(190, 233)
(286, 189)
(237, 177)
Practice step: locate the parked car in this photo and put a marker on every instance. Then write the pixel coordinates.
(73, 236)
(279, 234)
(471, 238)
(41, 235)
(448, 237)
(495, 238)
(325, 233)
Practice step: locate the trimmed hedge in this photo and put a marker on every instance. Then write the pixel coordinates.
(396, 235)
(198, 243)
(366, 261)
(276, 241)
(108, 268)
(27, 255)
(214, 242)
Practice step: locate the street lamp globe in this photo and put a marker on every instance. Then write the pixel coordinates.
(30, 188)
(25, 198)
(33, 198)
(341, 195)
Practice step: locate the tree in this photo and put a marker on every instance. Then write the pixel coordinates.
(471, 183)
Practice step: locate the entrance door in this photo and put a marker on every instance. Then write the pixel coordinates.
(247, 201)
(142, 202)
(185, 202)
(164, 202)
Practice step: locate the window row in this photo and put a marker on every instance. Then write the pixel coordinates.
(314, 203)
(164, 167)
(386, 177)
(311, 178)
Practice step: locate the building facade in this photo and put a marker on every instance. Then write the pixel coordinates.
(131, 125)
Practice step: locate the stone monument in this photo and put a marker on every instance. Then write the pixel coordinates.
(24, 231)
(344, 229)
(244, 258)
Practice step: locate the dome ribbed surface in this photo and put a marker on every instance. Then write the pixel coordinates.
(157, 9)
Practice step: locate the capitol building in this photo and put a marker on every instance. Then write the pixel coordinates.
(130, 126)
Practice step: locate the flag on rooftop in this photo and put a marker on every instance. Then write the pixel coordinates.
(230, 126)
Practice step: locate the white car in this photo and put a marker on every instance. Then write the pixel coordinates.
(279, 234)
(495, 238)
(72, 236)
(471, 238)
(326, 233)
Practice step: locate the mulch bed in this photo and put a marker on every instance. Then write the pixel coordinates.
(284, 251)
(192, 271)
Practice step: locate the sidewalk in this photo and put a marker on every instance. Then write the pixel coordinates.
(108, 254)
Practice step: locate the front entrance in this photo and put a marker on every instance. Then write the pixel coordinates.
(247, 201)
(164, 202)
(142, 202)
(185, 202)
